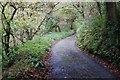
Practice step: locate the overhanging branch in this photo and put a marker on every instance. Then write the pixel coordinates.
(38, 28)
(77, 9)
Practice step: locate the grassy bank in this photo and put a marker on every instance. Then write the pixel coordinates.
(30, 55)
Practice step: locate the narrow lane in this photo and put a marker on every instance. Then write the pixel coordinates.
(67, 61)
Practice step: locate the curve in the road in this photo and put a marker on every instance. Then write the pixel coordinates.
(67, 61)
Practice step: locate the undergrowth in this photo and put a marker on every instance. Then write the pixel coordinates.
(29, 56)
(94, 37)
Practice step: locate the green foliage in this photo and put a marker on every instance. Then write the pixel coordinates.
(50, 23)
(59, 35)
(9, 59)
(88, 33)
(30, 55)
(38, 45)
(98, 39)
(69, 11)
(0, 65)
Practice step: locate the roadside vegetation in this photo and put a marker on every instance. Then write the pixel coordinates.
(31, 53)
(27, 31)
(99, 34)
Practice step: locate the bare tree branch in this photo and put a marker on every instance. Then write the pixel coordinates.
(38, 28)
(13, 14)
(3, 14)
(77, 9)
(56, 4)
(15, 10)
(59, 8)
(3, 5)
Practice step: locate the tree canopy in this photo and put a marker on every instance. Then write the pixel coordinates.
(27, 31)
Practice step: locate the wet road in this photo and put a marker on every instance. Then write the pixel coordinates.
(68, 62)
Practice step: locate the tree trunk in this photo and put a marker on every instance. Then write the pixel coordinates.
(7, 38)
(99, 8)
(111, 11)
(21, 35)
(112, 28)
(30, 34)
(59, 28)
(82, 11)
(71, 27)
(72, 21)
(14, 41)
(118, 14)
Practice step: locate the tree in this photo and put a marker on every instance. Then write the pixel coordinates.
(52, 6)
(80, 8)
(6, 22)
(112, 21)
(111, 11)
(99, 8)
